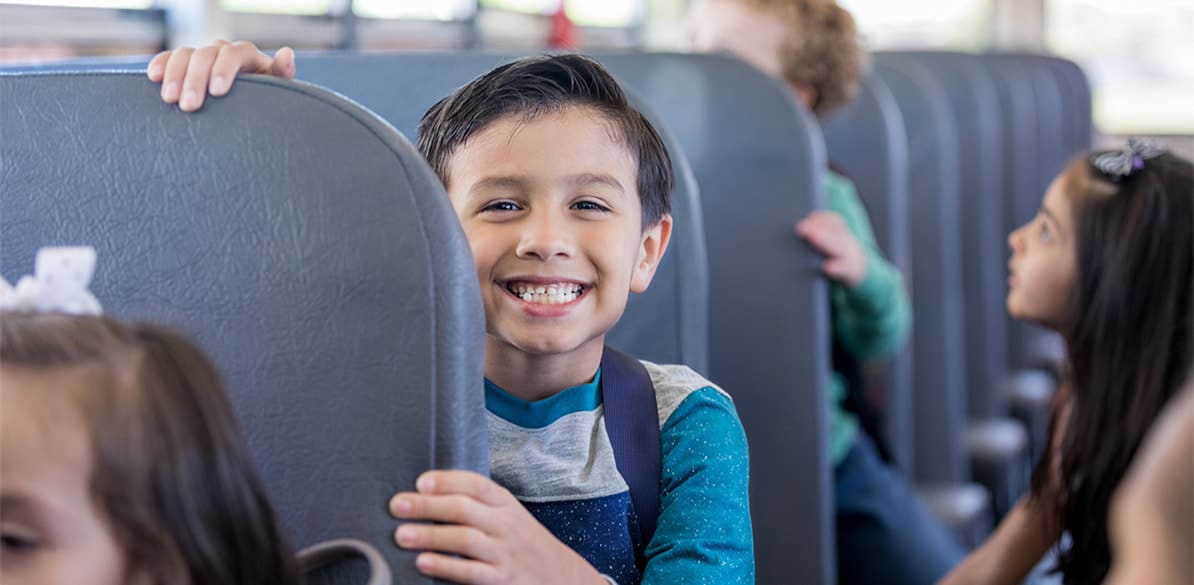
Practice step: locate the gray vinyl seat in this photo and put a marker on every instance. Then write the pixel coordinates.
(973, 101)
(758, 163)
(1033, 140)
(997, 445)
(867, 141)
(939, 398)
(1076, 95)
(302, 242)
(939, 376)
(1033, 154)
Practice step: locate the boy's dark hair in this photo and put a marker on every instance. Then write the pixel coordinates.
(535, 86)
(170, 468)
(1129, 336)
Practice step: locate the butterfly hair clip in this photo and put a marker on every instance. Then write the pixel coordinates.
(1120, 164)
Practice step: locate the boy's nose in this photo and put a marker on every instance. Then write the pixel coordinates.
(544, 238)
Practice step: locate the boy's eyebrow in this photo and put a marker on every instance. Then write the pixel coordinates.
(586, 179)
(522, 184)
(500, 182)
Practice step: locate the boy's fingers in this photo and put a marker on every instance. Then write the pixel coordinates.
(460, 540)
(224, 70)
(826, 219)
(815, 222)
(234, 59)
(175, 72)
(825, 215)
(821, 238)
(828, 234)
(453, 509)
(194, 86)
(834, 268)
(283, 64)
(456, 570)
(157, 66)
(466, 483)
(251, 59)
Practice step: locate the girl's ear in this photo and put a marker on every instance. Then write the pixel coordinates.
(650, 252)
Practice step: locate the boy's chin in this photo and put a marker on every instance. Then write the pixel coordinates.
(546, 345)
(551, 347)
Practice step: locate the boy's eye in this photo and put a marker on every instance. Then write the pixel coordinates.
(587, 205)
(1044, 234)
(501, 206)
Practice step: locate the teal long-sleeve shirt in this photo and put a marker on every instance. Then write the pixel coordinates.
(871, 320)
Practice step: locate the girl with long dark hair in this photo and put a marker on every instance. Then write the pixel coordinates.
(1108, 262)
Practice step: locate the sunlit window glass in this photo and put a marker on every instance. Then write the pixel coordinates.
(605, 12)
(529, 6)
(420, 9)
(278, 6)
(141, 4)
(1136, 55)
(956, 24)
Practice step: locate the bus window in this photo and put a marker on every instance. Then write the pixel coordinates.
(1132, 53)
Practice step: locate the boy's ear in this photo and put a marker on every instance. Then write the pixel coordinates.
(650, 252)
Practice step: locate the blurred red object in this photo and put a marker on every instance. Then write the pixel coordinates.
(563, 30)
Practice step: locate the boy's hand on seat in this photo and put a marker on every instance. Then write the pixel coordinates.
(187, 75)
(496, 537)
(845, 258)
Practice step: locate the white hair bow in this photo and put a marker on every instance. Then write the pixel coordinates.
(58, 285)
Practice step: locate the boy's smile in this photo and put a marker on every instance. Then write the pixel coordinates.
(551, 209)
(546, 296)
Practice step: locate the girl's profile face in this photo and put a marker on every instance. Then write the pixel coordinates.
(1042, 268)
(51, 529)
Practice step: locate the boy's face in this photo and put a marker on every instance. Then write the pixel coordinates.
(551, 210)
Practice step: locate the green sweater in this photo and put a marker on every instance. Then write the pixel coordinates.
(871, 320)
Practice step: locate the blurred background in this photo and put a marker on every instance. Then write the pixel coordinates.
(1139, 55)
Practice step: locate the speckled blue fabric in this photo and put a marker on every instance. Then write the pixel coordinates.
(555, 457)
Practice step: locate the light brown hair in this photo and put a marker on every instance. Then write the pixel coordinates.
(822, 50)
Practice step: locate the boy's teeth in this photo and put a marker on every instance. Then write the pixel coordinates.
(552, 294)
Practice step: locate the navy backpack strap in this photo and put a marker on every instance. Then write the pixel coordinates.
(632, 423)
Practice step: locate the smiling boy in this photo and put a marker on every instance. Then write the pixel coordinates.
(563, 191)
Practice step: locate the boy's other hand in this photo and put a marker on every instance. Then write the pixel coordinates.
(496, 537)
(845, 258)
(187, 75)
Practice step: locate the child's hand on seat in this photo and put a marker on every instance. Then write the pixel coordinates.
(496, 537)
(845, 258)
(188, 75)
